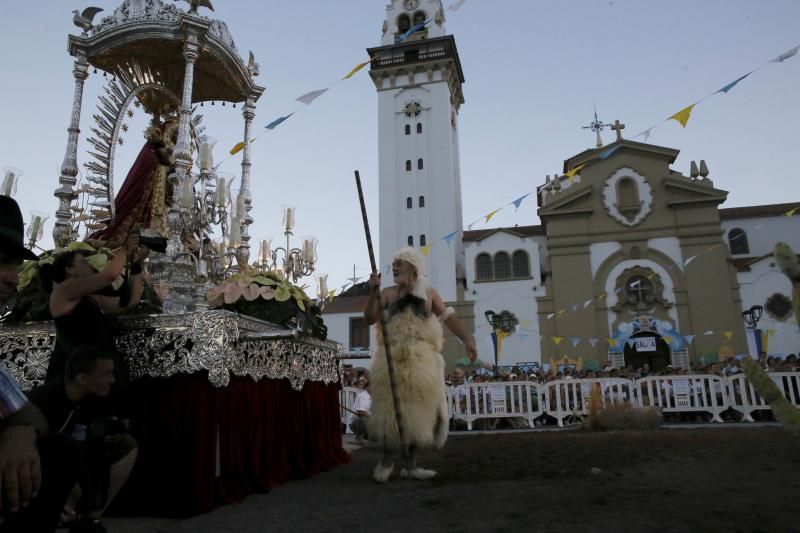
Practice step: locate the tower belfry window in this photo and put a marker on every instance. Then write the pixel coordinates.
(411, 240)
(408, 165)
(419, 164)
(419, 127)
(408, 129)
(422, 240)
(409, 203)
(422, 201)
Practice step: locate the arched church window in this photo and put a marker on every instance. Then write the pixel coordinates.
(639, 289)
(403, 24)
(737, 240)
(422, 240)
(627, 195)
(419, 164)
(520, 264)
(483, 267)
(411, 240)
(419, 17)
(408, 165)
(419, 127)
(408, 129)
(502, 266)
(422, 201)
(409, 203)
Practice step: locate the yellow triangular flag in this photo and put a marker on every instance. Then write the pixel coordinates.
(612, 342)
(356, 69)
(602, 295)
(238, 148)
(667, 339)
(561, 312)
(557, 340)
(571, 173)
(426, 249)
(683, 115)
(791, 212)
(651, 276)
(728, 334)
(490, 215)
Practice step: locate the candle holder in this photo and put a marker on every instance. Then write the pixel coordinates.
(11, 176)
(290, 262)
(35, 229)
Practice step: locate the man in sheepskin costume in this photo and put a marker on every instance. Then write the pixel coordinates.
(414, 312)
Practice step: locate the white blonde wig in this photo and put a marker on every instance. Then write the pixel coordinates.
(415, 259)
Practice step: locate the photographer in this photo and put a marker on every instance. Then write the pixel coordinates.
(79, 307)
(37, 470)
(78, 406)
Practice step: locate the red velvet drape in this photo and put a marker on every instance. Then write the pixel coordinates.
(268, 434)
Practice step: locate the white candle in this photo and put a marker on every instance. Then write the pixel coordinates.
(236, 233)
(8, 183)
(206, 158)
(323, 286)
(267, 250)
(223, 249)
(221, 200)
(288, 218)
(34, 234)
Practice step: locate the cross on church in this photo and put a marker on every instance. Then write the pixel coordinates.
(618, 128)
(639, 289)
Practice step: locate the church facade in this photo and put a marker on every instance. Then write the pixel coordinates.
(633, 263)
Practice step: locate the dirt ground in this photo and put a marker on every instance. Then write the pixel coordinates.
(710, 479)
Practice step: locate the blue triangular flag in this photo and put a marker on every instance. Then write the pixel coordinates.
(519, 201)
(275, 123)
(412, 31)
(732, 84)
(609, 152)
(575, 341)
(449, 238)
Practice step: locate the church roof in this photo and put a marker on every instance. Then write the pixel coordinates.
(520, 231)
(587, 156)
(752, 211)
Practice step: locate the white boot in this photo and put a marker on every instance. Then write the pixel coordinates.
(417, 473)
(382, 473)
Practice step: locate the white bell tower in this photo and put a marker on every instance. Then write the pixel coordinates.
(419, 94)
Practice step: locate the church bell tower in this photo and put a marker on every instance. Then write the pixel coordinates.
(418, 75)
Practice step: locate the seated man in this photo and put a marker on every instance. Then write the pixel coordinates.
(77, 406)
(361, 406)
(37, 471)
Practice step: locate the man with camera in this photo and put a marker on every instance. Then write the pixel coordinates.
(78, 406)
(37, 470)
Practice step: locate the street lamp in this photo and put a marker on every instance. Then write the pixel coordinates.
(505, 322)
(752, 316)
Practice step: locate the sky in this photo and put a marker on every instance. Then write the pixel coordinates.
(534, 69)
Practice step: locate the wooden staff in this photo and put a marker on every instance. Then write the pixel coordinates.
(382, 324)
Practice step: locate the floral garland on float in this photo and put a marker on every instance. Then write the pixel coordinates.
(267, 296)
(31, 301)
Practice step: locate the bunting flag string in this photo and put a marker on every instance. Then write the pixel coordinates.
(518, 201)
(684, 114)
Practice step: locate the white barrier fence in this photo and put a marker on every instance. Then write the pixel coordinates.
(564, 398)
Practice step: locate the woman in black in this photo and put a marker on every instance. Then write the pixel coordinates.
(78, 308)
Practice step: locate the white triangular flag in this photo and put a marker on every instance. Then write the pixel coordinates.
(310, 97)
(786, 55)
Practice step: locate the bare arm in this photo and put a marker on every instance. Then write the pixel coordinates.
(111, 304)
(453, 324)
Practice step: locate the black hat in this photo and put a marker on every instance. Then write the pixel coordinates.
(12, 230)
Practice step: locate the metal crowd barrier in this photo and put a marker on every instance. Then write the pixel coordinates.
(564, 398)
